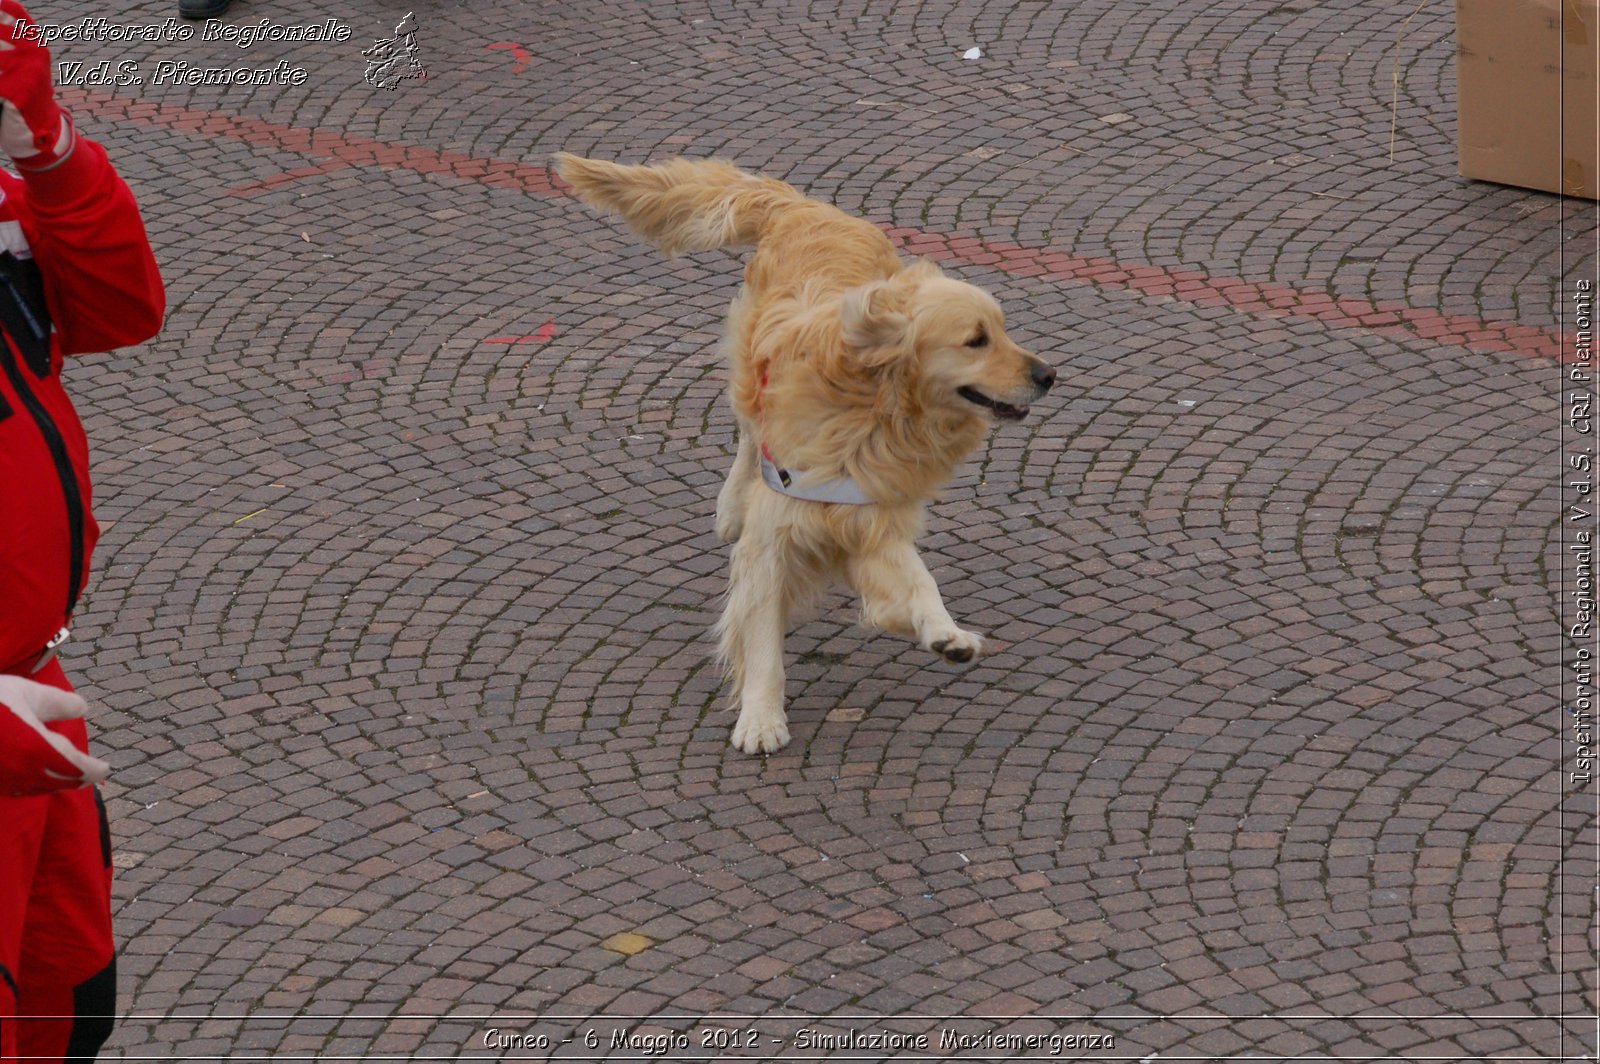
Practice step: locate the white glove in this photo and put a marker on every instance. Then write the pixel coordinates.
(34, 759)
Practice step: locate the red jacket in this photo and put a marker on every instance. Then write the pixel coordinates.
(102, 288)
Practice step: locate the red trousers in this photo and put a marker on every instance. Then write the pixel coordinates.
(58, 990)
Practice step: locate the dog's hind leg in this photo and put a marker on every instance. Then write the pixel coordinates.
(751, 640)
(898, 595)
(732, 499)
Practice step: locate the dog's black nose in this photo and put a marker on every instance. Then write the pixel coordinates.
(1043, 376)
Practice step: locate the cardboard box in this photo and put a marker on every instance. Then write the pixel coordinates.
(1527, 93)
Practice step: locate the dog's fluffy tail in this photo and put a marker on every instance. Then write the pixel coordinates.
(681, 204)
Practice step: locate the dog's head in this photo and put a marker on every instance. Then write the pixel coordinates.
(951, 334)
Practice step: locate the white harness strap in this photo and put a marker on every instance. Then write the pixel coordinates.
(841, 491)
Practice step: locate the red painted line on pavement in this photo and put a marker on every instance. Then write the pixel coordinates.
(346, 148)
(1268, 300)
(251, 188)
(1261, 299)
(547, 331)
(515, 49)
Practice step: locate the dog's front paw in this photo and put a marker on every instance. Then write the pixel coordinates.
(956, 646)
(760, 733)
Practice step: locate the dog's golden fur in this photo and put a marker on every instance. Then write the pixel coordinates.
(846, 363)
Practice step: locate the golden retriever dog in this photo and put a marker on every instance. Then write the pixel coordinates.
(859, 381)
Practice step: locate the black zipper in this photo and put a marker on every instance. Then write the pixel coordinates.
(5, 973)
(64, 471)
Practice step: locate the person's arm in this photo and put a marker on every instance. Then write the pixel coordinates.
(83, 226)
(100, 276)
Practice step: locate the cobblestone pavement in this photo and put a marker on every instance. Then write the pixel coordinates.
(398, 643)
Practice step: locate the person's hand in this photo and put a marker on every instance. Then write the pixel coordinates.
(34, 759)
(34, 130)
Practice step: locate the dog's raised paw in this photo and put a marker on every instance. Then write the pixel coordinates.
(763, 735)
(959, 648)
(957, 654)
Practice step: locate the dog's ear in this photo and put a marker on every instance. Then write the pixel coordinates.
(871, 321)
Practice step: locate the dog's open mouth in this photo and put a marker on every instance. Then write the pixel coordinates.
(1003, 411)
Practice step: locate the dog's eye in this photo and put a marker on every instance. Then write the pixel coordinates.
(980, 340)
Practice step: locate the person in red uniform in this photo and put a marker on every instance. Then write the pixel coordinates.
(76, 275)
